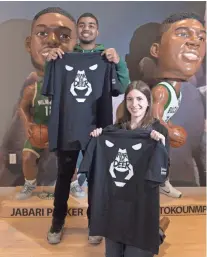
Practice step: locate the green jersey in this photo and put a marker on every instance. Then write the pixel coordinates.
(173, 102)
(41, 106)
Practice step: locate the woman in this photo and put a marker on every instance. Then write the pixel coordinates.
(137, 113)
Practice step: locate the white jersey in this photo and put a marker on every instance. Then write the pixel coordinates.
(173, 102)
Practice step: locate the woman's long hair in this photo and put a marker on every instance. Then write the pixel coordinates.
(125, 118)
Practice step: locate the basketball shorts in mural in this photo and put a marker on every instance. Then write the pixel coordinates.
(28, 147)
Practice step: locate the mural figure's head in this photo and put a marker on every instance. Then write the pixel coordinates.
(51, 28)
(139, 48)
(180, 46)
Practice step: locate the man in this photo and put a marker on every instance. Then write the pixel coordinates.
(51, 28)
(88, 31)
(179, 52)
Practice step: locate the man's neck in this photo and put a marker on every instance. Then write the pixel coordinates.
(88, 46)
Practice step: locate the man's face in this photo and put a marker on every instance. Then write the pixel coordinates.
(181, 50)
(87, 30)
(51, 30)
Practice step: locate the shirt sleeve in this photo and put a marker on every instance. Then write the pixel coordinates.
(123, 74)
(116, 87)
(86, 164)
(158, 167)
(163, 130)
(48, 88)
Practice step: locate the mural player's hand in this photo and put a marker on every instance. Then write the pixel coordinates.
(111, 55)
(28, 127)
(157, 136)
(177, 136)
(54, 53)
(46, 145)
(96, 132)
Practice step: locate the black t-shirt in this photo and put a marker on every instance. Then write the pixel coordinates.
(81, 86)
(125, 171)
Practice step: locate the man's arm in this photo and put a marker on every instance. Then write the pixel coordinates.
(121, 67)
(24, 107)
(123, 74)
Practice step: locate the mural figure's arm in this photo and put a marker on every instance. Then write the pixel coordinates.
(160, 98)
(24, 108)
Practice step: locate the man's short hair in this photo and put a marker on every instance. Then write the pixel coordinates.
(87, 14)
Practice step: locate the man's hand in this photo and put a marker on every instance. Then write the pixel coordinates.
(111, 55)
(54, 53)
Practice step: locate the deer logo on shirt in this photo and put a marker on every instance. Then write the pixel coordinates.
(122, 164)
(81, 84)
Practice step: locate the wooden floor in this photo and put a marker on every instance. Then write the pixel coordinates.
(26, 237)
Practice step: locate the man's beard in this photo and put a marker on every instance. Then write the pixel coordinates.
(86, 42)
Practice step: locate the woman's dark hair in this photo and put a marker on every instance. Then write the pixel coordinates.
(125, 117)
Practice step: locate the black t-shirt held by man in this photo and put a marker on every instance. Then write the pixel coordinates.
(125, 169)
(81, 86)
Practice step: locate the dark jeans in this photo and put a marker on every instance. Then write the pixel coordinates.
(113, 249)
(66, 169)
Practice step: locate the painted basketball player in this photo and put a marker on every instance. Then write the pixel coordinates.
(179, 52)
(51, 28)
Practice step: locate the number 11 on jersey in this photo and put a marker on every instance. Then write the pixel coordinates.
(47, 110)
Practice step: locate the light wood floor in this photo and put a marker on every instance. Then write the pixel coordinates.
(26, 237)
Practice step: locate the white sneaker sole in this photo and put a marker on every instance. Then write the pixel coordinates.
(54, 241)
(95, 241)
(169, 194)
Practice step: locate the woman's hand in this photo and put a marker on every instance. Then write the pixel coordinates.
(157, 136)
(97, 132)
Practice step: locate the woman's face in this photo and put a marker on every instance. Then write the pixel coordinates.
(136, 103)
